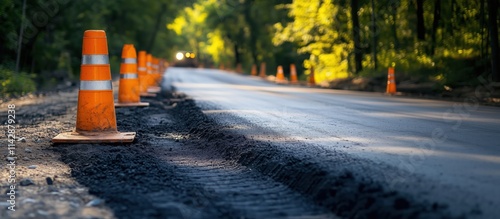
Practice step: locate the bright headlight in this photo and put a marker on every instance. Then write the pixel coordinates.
(179, 56)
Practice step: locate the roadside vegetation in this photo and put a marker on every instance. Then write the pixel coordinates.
(445, 43)
(16, 84)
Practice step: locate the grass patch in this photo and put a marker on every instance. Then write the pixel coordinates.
(12, 83)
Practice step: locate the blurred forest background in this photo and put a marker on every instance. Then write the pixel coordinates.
(445, 44)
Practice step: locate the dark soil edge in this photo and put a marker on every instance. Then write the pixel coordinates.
(344, 192)
(131, 180)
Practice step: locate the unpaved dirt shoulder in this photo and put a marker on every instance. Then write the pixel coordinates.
(48, 189)
(130, 179)
(96, 180)
(167, 173)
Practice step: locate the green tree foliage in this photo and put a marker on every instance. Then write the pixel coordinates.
(235, 31)
(445, 41)
(12, 83)
(319, 27)
(194, 34)
(449, 42)
(51, 45)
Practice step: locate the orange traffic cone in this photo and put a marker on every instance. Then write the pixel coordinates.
(160, 66)
(163, 67)
(156, 75)
(391, 81)
(262, 72)
(293, 74)
(142, 69)
(95, 117)
(239, 68)
(129, 89)
(280, 76)
(253, 72)
(156, 70)
(312, 80)
(159, 71)
(149, 67)
(152, 88)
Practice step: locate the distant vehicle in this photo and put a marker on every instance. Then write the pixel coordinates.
(185, 59)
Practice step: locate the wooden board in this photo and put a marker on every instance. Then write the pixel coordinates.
(148, 95)
(154, 89)
(74, 137)
(141, 104)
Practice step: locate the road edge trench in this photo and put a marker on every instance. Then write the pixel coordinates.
(344, 192)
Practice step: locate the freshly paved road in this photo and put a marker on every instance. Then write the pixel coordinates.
(450, 150)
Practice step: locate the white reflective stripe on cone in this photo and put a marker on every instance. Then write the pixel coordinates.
(142, 69)
(129, 60)
(95, 59)
(128, 76)
(96, 85)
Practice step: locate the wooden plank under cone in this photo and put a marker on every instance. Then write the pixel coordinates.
(140, 104)
(154, 89)
(148, 95)
(75, 137)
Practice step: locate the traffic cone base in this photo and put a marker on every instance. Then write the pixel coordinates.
(131, 104)
(154, 89)
(93, 137)
(148, 95)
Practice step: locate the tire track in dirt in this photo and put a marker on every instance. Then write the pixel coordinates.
(348, 186)
(242, 188)
(164, 175)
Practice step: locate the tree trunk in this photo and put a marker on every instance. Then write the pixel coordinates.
(358, 53)
(420, 20)
(492, 21)
(374, 36)
(20, 40)
(236, 55)
(435, 25)
(156, 27)
(482, 23)
(451, 26)
(254, 30)
(394, 26)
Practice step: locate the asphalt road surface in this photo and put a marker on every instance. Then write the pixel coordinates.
(433, 151)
